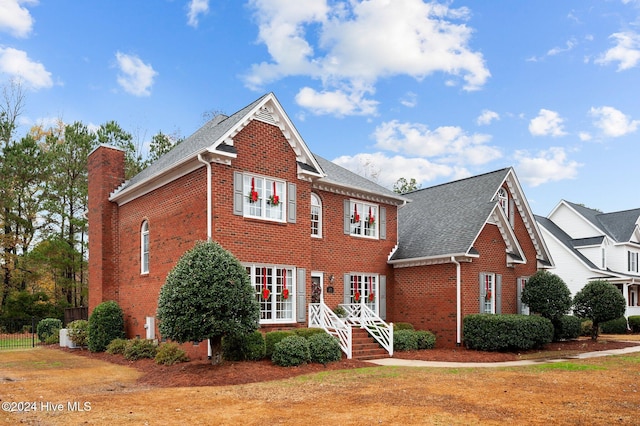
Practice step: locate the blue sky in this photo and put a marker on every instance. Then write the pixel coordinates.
(434, 91)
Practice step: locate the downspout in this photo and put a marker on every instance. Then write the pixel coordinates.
(458, 303)
(208, 164)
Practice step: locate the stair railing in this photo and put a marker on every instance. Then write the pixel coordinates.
(359, 314)
(320, 316)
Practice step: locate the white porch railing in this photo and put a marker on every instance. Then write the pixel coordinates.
(320, 316)
(361, 315)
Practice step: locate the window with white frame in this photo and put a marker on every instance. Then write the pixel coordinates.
(632, 261)
(144, 248)
(275, 291)
(488, 293)
(503, 200)
(265, 198)
(316, 216)
(364, 219)
(363, 288)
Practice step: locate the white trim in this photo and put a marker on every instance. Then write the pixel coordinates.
(316, 196)
(144, 235)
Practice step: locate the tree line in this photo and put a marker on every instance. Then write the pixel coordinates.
(43, 200)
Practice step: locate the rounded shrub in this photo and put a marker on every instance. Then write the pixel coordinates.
(487, 332)
(105, 324)
(170, 353)
(52, 339)
(246, 347)
(324, 348)
(599, 301)
(308, 332)
(140, 348)
(405, 340)
(291, 351)
(614, 326)
(272, 338)
(117, 346)
(426, 339)
(48, 327)
(567, 327)
(78, 331)
(586, 326)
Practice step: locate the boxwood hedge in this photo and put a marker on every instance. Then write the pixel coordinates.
(508, 332)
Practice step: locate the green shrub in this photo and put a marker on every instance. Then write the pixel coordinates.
(140, 348)
(249, 347)
(78, 332)
(48, 327)
(117, 346)
(509, 332)
(340, 312)
(634, 323)
(291, 351)
(426, 339)
(405, 340)
(567, 327)
(272, 338)
(585, 327)
(308, 332)
(105, 324)
(397, 326)
(324, 348)
(599, 301)
(614, 326)
(170, 353)
(53, 338)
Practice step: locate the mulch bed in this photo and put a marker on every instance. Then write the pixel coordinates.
(202, 373)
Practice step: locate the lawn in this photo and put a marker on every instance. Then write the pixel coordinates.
(64, 388)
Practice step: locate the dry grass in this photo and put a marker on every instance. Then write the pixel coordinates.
(601, 391)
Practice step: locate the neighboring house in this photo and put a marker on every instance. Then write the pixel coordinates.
(466, 247)
(589, 245)
(330, 238)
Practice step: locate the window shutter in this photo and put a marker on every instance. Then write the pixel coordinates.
(238, 193)
(292, 195)
(512, 213)
(346, 298)
(383, 223)
(482, 292)
(301, 293)
(347, 217)
(382, 291)
(498, 285)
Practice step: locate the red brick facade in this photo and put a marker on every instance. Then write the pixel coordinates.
(176, 214)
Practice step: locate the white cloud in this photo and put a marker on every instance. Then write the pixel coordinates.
(18, 65)
(570, 44)
(349, 45)
(16, 19)
(337, 102)
(613, 122)
(547, 123)
(448, 144)
(626, 51)
(409, 100)
(546, 166)
(196, 8)
(135, 76)
(585, 136)
(486, 117)
(387, 170)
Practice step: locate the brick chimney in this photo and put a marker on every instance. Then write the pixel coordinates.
(106, 172)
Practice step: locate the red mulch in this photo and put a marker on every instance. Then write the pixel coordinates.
(202, 373)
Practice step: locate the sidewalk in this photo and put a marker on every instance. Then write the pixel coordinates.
(414, 363)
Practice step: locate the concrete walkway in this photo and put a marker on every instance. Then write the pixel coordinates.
(416, 363)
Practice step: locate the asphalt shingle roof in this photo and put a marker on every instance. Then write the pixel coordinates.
(617, 225)
(446, 219)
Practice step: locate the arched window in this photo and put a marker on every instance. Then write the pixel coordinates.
(316, 216)
(144, 248)
(503, 199)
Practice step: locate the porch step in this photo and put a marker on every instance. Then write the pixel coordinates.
(365, 347)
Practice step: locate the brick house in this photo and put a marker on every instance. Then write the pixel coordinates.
(331, 237)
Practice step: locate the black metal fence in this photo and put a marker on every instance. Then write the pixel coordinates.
(18, 333)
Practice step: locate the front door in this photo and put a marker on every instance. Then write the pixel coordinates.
(316, 287)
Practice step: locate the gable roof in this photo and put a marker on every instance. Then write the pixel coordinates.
(619, 226)
(214, 142)
(569, 243)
